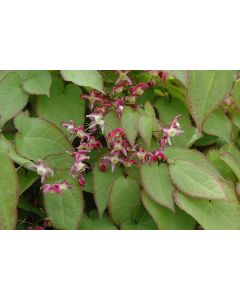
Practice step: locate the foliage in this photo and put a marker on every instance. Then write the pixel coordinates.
(124, 150)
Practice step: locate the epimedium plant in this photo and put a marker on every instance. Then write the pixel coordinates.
(119, 150)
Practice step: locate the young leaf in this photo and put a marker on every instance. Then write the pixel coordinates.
(129, 121)
(205, 90)
(216, 215)
(196, 181)
(36, 82)
(102, 183)
(124, 199)
(157, 184)
(91, 79)
(9, 192)
(12, 97)
(64, 210)
(166, 219)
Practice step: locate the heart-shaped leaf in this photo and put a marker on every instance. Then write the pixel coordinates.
(9, 192)
(36, 82)
(211, 126)
(129, 121)
(64, 210)
(93, 222)
(157, 184)
(232, 162)
(102, 183)
(166, 219)
(205, 90)
(145, 128)
(196, 181)
(180, 75)
(38, 139)
(124, 199)
(144, 223)
(91, 79)
(217, 215)
(62, 106)
(111, 122)
(12, 97)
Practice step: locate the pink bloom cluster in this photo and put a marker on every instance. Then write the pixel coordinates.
(124, 93)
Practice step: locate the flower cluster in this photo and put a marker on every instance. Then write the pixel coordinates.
(124, 93)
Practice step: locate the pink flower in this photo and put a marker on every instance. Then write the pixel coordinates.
(80, 132)
(172, 131)
(113, 160)
(93, 97)
(123, 78)
(138, 89)
(128, 162)
(159, 155)
(96, 120)
(119, 105)
(69, 125)
(57, 188)
(42, 169)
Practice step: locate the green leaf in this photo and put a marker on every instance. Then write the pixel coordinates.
(36, 82)
(93, 222)
(168, 109)
(180, 75)
(174, 153)
(12, 97)
(38, 139)
(8, 148)
(166, 219)
(215, 215)
(236, 118)
(157, 184)
(129, 121)
(62, 106)
(111, 122)
(145, 128)
(64, 210)
(212, 125)
(26, 179)
(91, 79)
(226, 172)
(102, 183)
(144, 223)
(195, 180)
(124, 199)
(205, 90)
(9, 192)
(236, 92)
(188, 138)
(232, 162)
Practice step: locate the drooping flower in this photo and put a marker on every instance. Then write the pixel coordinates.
(96, 120)
(93, 97)
(69, 125)
(173, 130)
(42, 169)
(57, 188)
(123, 78)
